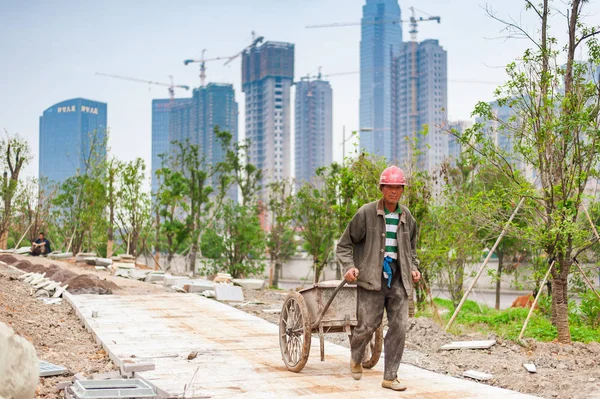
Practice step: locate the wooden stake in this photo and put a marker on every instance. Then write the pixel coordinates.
(536, 300)
(483, 265)
(586, 279)
(23, 236)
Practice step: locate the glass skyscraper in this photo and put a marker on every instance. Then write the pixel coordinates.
(71, 132)
(161, 109)
(381, 38)
(314, 128)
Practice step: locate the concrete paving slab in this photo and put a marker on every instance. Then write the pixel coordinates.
(231, 293)
(469, 345)
(239, 355)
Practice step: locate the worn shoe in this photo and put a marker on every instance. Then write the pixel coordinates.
(356, 369)
(395, 385)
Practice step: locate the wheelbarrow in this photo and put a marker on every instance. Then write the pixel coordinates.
(314, 310)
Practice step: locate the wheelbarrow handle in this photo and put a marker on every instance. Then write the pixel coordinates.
(339, 287)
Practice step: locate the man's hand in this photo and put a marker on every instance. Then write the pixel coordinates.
(351, 275)
(416, 276)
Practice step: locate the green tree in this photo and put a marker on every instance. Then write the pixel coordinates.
(133, 204)
(14, 155)
(80, 204)
(170, 204)
(314, 214)
(242, 240)
(280, 240)
(555, 130)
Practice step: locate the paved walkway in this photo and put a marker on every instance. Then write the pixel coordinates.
(238, 354)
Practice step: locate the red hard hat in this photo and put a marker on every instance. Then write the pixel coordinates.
(392, 176)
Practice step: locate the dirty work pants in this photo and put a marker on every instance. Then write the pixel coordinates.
(369, 310)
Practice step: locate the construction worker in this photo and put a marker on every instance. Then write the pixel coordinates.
(378, 251)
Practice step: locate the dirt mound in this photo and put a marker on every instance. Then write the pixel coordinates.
(8, 259)
(63, 275)
(90, 284)
(425, 333)
(52, 270)
(23, 265)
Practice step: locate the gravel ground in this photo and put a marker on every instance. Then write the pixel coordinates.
(56, 332)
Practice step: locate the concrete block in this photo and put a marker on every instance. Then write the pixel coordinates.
(134, 367)
(478, 375)
(136, 274)
(469, 345)
(231, 293)
(103, 262)
(121, 265)
(153, 276)
(23, 250)
(90, 260)
(122, 273)
(198, 286)
(249, 283)
(179, 281)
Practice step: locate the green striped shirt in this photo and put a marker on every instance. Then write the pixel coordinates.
(391, 232)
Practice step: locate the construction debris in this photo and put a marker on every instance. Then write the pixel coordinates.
(229, 293)
(43, 286)
(530, 367)
(130, 388)
(50, 370)
(249, 283)
(478, 375)
(469, 345)
(223, 278)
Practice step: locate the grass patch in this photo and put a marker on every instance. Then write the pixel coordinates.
(509, 322)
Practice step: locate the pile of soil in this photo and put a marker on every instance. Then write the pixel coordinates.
(56, 332)
(78, 283)
(563, 371)
(8, 259)
(90, 284)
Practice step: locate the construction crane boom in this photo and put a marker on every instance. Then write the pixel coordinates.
(202, 61)
(253, 44)
(171, 85)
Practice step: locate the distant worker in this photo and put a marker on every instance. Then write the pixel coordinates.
(41, 246)
(378, 250)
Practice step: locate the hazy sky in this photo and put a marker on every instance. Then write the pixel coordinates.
(50, 51)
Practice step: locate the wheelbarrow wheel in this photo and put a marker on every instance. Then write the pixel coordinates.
(294, 332)
(373, 352)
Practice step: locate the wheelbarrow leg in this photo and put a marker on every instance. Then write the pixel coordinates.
(322, 342)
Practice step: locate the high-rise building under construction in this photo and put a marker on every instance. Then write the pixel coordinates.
(267, 77)
(314, 128)
(419, 117)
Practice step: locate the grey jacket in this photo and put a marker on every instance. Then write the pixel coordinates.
(363, 245)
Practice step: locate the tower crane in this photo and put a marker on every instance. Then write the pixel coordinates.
(203, 61)
(413, 41)
(255, 41)
(171, 85)
(413, 23)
